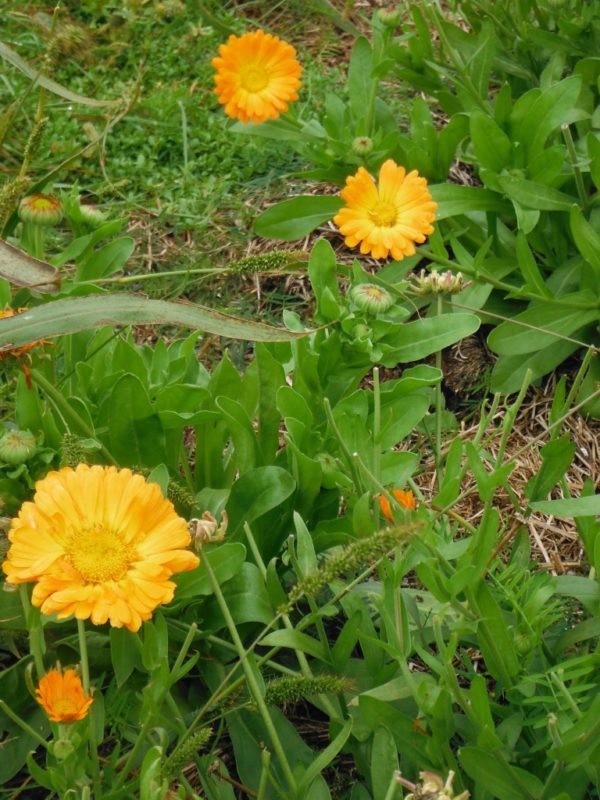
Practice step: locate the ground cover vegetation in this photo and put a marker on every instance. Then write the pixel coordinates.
(298, 434)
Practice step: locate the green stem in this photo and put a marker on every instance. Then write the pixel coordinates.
(511, 415)
(83, 654)
(265, 771)
(149, 276)
(6, 709)
(392, 788)
(581, 373)
(376, 424)
(36, 632)
(439, 397)
(252, 682)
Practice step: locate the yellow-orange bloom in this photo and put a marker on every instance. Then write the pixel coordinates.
(405, 499)
(257, 76)
(101, 544)
(62, 697)
(387, 217)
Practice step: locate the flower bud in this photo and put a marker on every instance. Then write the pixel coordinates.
(362, 145)
(92, 216)
(371, 298)
(389, 16)
(207, 530)
(434, 283)
(41, 209)
(16, 446)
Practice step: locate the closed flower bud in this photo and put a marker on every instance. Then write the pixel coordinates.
(434, 283)
(16, 446)
(371, 298)
(92, 216)
(41, 209)
(389, 16)
(362, 145)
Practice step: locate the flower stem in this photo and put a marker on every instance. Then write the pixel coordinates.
(85, 678)
(6, 709)
(439, 398)
(252, 682)
(568, 137)
(36, 632)
(83, 655)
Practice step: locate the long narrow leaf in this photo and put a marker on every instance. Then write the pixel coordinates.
(73, 314)
(52, 86)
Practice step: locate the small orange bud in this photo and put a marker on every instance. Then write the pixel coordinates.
(405, 499)
(62, 697)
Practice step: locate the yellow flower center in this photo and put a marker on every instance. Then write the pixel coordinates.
(99, 555)
(41, 203)
(384, 214)
(254, 79)
(63, 706)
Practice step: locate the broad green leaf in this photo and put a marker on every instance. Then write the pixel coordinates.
(108, 259)
(535, 195)
(494, 637)
(21, 269)
(496, 775)
(415, 340)
(247, 596)
(454, 200)
(492, 146)
(295, 218)
(541, 326)
(384, 762)
(549, 109)
(509, 371)
(359, 78)
(52, 86)
(226, 561)
(135, 435)
(123, 656)
(570, 506)
(587, 241)
(257, 492)
(480, 62)
(73, 314)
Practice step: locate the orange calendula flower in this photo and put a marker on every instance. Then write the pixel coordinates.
(405, 499)
(101, 544)
(257, 76)
(389, 217)
(62, 697)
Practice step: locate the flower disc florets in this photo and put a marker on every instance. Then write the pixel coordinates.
(41, 209)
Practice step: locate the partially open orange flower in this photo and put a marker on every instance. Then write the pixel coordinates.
(257, 76)
(101, 544)
(405, 499)
(62, 697)
(389, 217)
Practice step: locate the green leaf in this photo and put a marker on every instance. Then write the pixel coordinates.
(108, 259)
(454, 200)
(492, 146)
(257, 492)
(359, 78)
(21, 269)
(384, 762)
(247, 597)
(494, 775)
(557, 456)
(73, 314)
(549, 109)
(135, 435)
(295, 640)
(528, 266)
(587, 241)
(52, 86)
(325, 757)
(509, 371)
(295, 218)
(570, 506)
(414, 340)
(123, 654)
(542, 326)
(531, 194)
(225, 560)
